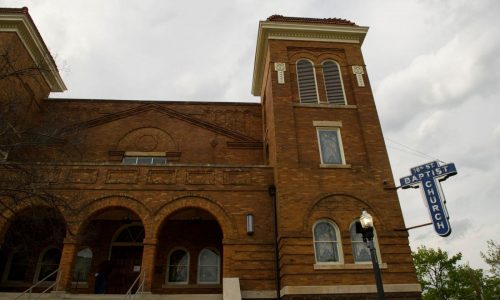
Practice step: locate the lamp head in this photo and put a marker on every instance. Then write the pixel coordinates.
(366, 219)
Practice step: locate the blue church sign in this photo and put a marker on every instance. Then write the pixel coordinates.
(427, 177)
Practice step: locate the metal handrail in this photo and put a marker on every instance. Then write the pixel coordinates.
(30, 289)
(129, 295)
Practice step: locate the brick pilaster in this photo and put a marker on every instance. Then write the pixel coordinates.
(148, 262)
(66, 264)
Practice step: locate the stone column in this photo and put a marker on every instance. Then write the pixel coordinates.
(66, 264)
(148, 262)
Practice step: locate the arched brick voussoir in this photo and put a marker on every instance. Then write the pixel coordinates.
(97, 206)
(332, 201)
(9, 214)
(225, 221)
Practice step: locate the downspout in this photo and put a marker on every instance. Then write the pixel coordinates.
(272, 192)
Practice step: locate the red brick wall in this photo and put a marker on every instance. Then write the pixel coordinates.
(338, 194)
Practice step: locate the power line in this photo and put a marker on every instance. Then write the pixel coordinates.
(410, 150)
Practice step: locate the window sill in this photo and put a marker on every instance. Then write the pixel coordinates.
(80, 284)
(324, 105)
(190, 286)
(347, 266)
(325, 166)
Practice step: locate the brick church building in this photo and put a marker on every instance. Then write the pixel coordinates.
(201, 200)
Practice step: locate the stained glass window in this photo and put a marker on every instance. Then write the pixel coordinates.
(178, 266)
(326, 242)
(83, 263)
(360, 251)
(330, 146)
(208, 266)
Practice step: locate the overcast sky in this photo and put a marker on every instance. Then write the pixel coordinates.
(433, 64)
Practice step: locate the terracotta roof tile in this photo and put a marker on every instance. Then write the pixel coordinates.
(333, 21)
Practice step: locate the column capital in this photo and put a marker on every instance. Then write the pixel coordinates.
(70, 240)
(150, 241)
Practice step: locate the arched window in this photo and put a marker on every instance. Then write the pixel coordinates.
(17, 266)
(327, 248)
(360, 251)
(178, 267)
(208, 266)
(333, 83)
(129, 235)
(83, 263)
(306, 79)
(48, 263)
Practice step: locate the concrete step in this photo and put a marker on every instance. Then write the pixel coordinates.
(64, 296)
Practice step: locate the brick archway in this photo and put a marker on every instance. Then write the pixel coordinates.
(100, 205)
(327, 206)
(10, 215)
(226, 223)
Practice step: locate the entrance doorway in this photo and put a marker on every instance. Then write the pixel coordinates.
(125, 257)
(115, 237)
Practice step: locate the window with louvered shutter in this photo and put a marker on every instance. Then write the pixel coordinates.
(333, 83)
(307, 82)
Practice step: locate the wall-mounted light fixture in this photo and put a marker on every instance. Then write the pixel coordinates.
(249, 224)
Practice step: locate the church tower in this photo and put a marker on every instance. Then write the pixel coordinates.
(324, 141)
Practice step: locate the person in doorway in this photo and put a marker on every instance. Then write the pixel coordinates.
(101, 277)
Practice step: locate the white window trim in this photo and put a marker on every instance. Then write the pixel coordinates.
(82, 283)
(168, 267)
(341, 145)
(121, 244)
(338, 243)
(39, 263)
(315, 79)
(199, 267)
(375, 244)
(8, 265)
(341, 80)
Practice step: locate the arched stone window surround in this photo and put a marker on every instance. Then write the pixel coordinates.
(328, 84)
(320, 242)
(42, 263)
(185, 266)
(82, 265)
(200, 265)
(301, 82)
(9, 264)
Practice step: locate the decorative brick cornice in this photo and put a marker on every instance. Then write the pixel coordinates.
(335, 21)
(301, 29)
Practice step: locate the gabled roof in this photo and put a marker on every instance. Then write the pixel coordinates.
(237, 136)
(19, 21)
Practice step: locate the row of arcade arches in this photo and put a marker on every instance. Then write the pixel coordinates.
(110, 247)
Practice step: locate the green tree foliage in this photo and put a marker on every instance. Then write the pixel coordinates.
(492, 258)
(433, 269)
(443, 277)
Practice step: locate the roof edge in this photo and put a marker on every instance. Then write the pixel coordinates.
(19, 21)
(300, 31)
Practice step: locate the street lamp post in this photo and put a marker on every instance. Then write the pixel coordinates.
(366, 229)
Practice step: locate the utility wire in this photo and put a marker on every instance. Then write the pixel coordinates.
(410, 150)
